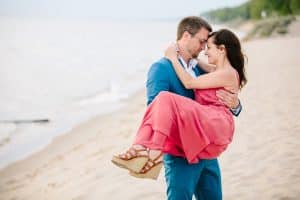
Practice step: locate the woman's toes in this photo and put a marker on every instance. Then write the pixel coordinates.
(123, 156)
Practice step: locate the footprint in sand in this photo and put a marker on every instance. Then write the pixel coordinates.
(10, 182)
(81, 197)
(52, 185)
(77, 147)
(33, 174)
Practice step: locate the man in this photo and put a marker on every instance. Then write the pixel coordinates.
(185, 180)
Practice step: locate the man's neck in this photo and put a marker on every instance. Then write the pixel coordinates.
(183, 53)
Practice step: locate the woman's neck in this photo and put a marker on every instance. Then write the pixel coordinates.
(222, 64)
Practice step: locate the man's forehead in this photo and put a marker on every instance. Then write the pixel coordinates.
(203, 33)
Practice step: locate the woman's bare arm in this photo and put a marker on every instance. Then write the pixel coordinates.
(220, 78)
(205, 66)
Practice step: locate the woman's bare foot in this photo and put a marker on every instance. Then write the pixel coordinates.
(133, 151)
(134, 159)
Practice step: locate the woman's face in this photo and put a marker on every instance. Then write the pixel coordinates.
(213, 52)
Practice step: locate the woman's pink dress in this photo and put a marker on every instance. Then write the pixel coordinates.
(195, 129)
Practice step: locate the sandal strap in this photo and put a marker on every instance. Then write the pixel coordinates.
(132, 153)
(155, 159)
(151, 163)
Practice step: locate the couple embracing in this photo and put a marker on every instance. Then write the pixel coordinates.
(189, 119)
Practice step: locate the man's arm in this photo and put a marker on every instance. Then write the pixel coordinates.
(157, 81)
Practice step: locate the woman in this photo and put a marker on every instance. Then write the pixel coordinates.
(200, 129)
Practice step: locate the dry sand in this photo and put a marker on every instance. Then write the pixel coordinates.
(263, 162)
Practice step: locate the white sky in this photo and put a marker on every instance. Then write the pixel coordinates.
(150, 9)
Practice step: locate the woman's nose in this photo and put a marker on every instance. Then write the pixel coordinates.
(205, 52)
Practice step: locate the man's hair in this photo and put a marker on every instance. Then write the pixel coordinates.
(191, 24)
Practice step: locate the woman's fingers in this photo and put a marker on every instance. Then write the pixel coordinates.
(172, 51)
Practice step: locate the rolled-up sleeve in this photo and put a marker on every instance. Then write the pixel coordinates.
(236, 111)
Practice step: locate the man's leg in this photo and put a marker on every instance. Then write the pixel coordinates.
(181, 178)
(209, 186)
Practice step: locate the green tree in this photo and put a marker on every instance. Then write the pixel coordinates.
(295, 6)
(256, 7)
(281, 7)
(253, 10)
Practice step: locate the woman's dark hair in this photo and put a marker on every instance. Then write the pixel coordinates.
(233, 50)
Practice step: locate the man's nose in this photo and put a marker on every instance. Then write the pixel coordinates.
(202, 47)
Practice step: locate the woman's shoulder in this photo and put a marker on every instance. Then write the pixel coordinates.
(228, 72)
(230, 75)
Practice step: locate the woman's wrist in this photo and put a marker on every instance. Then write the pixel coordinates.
(174, 60)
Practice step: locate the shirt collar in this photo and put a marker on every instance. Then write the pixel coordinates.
(192, 63)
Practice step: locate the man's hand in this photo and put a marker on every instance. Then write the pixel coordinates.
(230, 99)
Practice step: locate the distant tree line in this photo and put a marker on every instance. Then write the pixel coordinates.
(255, 9)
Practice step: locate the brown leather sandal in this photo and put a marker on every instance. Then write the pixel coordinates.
(151, 168)
(132, 159)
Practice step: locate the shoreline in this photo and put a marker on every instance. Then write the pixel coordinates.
(53, 131)
(140, 94)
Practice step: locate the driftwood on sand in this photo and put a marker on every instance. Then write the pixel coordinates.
(26, 121)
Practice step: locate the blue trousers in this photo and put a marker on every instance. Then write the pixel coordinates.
(185, 180)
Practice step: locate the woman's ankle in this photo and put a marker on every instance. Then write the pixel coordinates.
(138, 147)
(154, 153)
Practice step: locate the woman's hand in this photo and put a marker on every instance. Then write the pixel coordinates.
(172, 52)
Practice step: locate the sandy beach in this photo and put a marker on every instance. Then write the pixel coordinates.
(263, 162)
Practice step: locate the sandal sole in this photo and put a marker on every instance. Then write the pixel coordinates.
(135, 164)
(153, 173)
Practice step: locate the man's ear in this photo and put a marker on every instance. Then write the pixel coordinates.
(186, 34)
